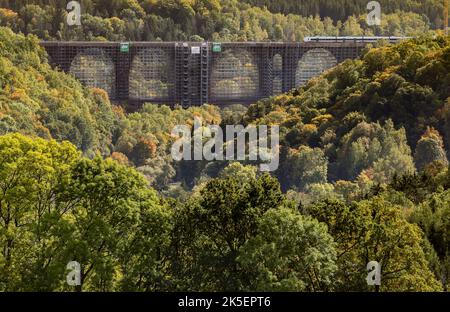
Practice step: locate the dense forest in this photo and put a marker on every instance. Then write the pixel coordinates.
(363, 176)
(227, 20)
(340, 9)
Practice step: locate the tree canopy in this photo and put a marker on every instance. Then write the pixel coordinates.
(363, 172)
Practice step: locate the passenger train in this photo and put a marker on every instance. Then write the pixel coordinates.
(353, 39)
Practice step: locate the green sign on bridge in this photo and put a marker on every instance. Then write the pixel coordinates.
(125, 47)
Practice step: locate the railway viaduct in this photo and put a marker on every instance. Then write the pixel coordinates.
(192, 73)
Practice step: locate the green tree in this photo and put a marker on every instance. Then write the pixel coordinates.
(109, 198)
(430, 149)
(375, 230)
(211, 228)
(289, 253)
(145, 256)
(433, 217)
(381, 149)
(34, 217)
(303, 167)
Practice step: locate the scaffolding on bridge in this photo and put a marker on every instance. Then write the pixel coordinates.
(195, 73)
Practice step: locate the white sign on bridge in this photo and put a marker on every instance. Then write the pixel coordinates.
(195, 50)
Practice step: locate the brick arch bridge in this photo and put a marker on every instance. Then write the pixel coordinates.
(195, 73)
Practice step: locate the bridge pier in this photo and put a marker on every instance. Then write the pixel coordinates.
(122, 70)
(290, 60)
(265, 67)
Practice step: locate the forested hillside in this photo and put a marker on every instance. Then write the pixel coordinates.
(363, 176)
(363, 149)
(227, 20)
(38, 100)
(340, 9)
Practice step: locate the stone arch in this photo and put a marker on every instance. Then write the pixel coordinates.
(277, 71)
(277, 63)
(150, 74)
(312, 64)
(235, 75)
(95, 69)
